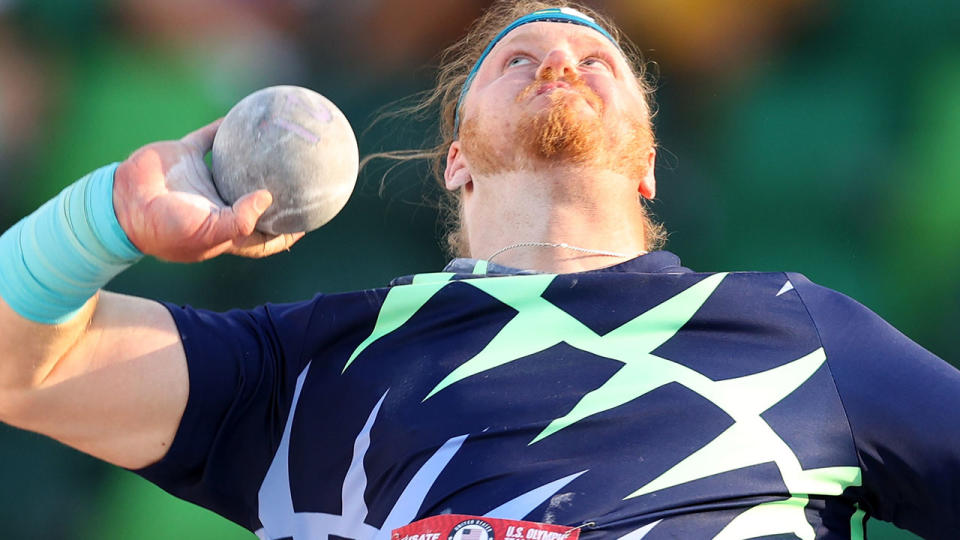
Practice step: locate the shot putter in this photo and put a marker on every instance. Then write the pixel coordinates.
(294, 143)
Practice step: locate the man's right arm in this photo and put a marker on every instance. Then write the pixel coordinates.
(111, 380)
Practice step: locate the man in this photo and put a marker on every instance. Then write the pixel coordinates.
(562, 375)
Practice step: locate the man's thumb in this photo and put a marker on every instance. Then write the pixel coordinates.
(249, 208)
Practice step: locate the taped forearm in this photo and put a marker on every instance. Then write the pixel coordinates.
(54, 260)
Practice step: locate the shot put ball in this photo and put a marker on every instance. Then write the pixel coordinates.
(294, 143)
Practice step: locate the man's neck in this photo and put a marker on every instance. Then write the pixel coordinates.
(579, 208)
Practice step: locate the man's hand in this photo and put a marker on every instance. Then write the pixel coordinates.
(167, 204)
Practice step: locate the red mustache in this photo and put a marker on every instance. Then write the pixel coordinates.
(549, 80)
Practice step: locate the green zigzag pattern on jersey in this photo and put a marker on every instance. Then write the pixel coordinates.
(750, 441)
(400, 304)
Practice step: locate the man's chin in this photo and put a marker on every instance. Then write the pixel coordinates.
(564, 131)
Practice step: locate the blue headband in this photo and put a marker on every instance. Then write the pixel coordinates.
(562, 15)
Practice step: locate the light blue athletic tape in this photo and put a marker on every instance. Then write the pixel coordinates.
(55, 259)
(564, 15)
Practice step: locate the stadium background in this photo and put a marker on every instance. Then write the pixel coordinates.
(806, 135)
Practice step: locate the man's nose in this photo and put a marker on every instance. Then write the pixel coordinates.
(557, 64)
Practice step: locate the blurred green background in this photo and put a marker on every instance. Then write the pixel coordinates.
(798, 135)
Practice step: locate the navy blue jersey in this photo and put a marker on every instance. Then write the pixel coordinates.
(638, 401)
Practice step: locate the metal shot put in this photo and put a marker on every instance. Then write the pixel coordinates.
(296, 144)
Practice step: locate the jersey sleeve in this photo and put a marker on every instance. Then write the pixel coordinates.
(242, 367)
(903, 406)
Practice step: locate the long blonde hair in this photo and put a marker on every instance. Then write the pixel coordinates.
(455, 64)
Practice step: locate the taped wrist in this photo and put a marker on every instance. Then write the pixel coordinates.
(55, 259)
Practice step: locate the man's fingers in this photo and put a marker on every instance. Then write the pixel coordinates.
(236, 225)
(259, 245)
(248, 209)
(228, 224)
(202, 139)
(221, 227)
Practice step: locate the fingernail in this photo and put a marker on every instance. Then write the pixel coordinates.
(262, 202)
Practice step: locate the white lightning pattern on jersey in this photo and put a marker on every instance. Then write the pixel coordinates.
(279, 519)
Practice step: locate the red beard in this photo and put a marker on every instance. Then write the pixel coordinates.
(560, 131)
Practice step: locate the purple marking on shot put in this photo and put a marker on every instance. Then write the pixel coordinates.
(310, 136)
(318, 110)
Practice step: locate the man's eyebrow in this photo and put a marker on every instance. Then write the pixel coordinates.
(529, 39)
(597, 43)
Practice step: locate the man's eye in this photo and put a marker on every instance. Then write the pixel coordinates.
(518, 61)
(592, 61)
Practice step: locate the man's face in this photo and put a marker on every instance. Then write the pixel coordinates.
(551, 93)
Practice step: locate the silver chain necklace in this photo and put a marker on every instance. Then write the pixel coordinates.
(564, 245)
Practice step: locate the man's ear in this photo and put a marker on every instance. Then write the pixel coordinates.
(648, 184)
(457, 173)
